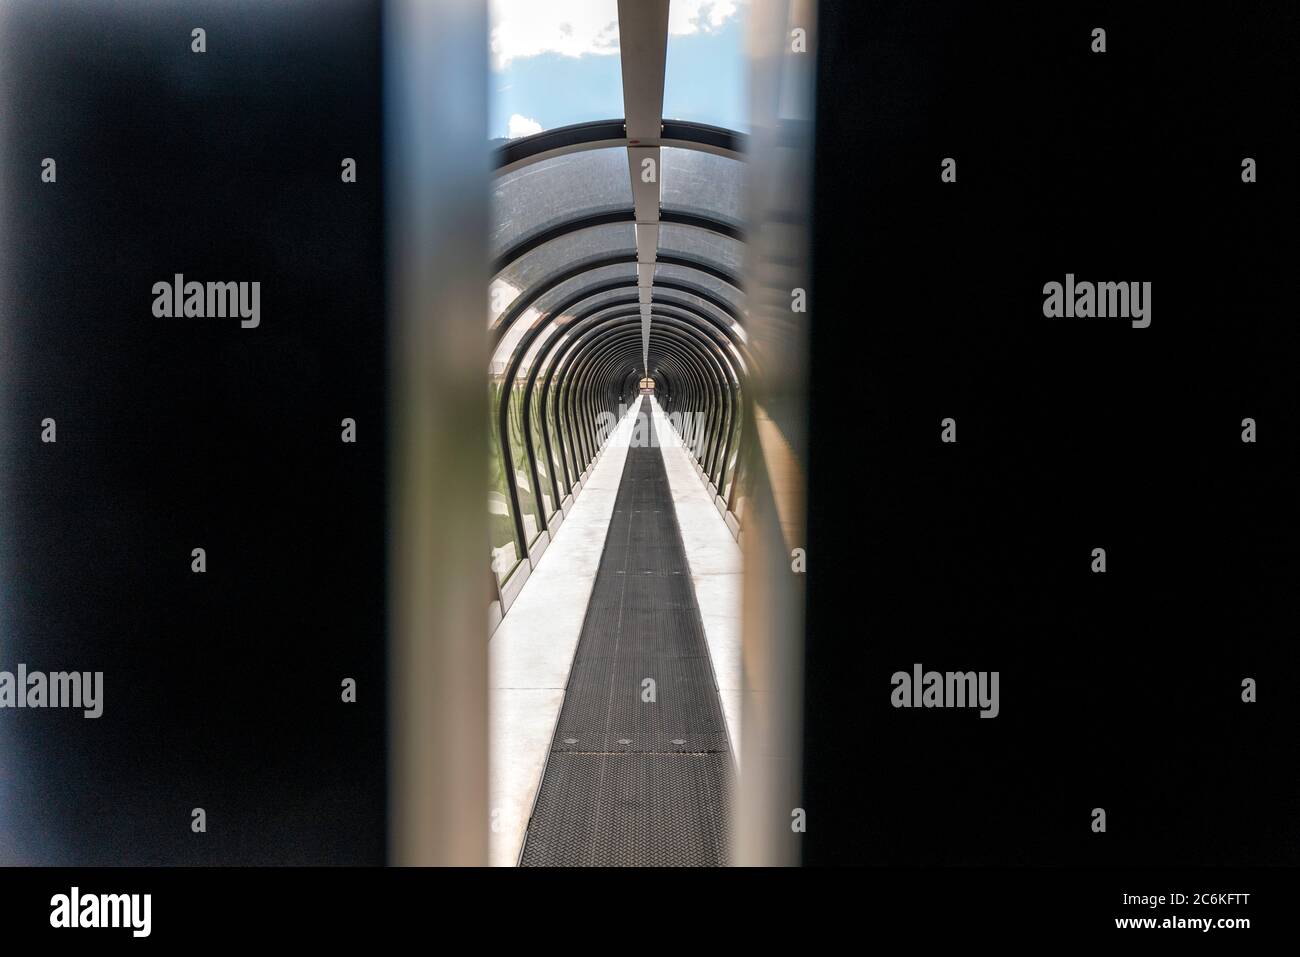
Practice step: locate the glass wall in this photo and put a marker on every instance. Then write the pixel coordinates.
(544, 486)
(545, 490)
(528, 514)
(501, 520)
(729, 472)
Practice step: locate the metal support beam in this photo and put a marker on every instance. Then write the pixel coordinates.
(643, 48)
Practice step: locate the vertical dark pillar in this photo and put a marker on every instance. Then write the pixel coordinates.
(1119, 690)
(223, 688)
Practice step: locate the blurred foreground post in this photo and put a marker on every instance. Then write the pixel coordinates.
(437, 194)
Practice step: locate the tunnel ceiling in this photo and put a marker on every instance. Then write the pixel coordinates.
(630, 198)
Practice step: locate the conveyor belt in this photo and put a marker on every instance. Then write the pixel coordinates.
(630, 781)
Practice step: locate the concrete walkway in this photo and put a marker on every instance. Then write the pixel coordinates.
(716, 569)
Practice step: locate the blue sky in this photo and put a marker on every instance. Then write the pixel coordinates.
(556, 63)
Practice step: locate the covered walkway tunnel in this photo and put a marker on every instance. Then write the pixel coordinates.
(620, 368)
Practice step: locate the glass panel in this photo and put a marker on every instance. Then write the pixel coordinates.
(571, 415)
(553, 64)
(594, 319)
(704, 78)
(533, 350)
(675, 297)
(544, 486)
(501, 524)
(736, 498)
(702, 184)
(585, 306)
(665, 307)
(522, 480)
(594, 277)
(550, 259)
(735, 353)
(535, 313)
(506, 347)
(714, 321)
(557, 453)
(729, 473)
(540, 195)
(702, 244)
(717, 287)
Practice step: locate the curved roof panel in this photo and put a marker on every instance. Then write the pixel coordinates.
(702, 184)
(528, 201)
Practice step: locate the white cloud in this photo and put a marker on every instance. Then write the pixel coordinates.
(521, 125)
(691, 16)
(525, 28)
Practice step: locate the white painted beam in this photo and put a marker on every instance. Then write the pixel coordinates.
(643, 52)
(643, 46)
(647, 241)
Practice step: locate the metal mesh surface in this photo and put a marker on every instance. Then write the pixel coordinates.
(638, 773)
